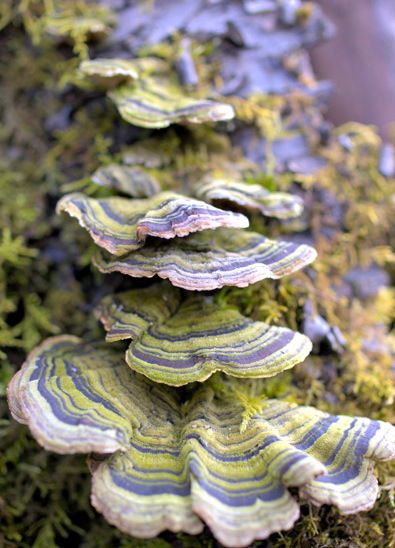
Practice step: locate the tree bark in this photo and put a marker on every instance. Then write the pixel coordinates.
(360, 61)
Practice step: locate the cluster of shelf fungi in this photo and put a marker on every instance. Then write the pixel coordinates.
(165, 453)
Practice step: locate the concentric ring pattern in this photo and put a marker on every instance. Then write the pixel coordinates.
(177, 342)
(207, 261)
(174, 465)
(120, 225)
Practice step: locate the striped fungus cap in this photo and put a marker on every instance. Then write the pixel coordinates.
(177, 341)
(144, 98)
(135, 181)
(164, 465)
(147, 103)
(212, 259)
(227, 193)
(252, 197)
(121, 225)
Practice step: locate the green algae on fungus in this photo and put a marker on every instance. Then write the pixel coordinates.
(174, 464)
(121, 225)
(148, 104)
(148, 101)
(207, 261)
(177, 342)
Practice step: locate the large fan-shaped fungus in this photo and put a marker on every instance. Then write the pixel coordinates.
(173, 465)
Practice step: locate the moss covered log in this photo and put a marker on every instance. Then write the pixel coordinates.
(279, 143)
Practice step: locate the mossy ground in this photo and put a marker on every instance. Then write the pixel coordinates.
(47, 286)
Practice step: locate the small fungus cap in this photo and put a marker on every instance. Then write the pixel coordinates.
(149, 104)
(109, 72)
(135, 181)
(251, 197)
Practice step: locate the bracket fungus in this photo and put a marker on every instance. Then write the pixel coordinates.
(176, 458)
(174, 465)
(149, 153)
(145, 98)
(121, 225)
(109, 72)
(148, 104)
(251, 197)
(178, 342)
(207, 261)
(135, 181)
(128, 314)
